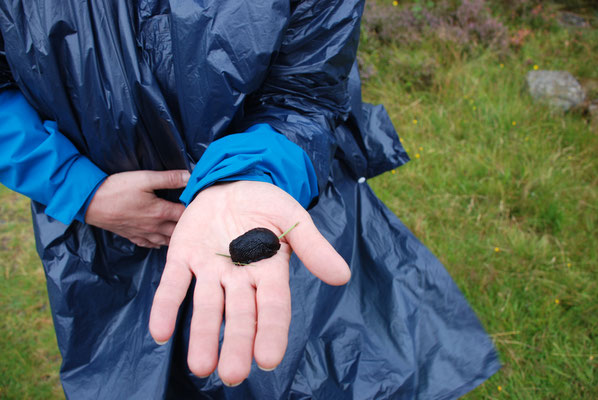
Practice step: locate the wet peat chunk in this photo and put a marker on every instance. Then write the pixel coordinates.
(254, 245)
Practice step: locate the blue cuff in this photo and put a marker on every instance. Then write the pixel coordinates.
(80, 216)
(258, 154)
(39, 162)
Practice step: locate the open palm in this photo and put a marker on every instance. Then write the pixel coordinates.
(256, 297)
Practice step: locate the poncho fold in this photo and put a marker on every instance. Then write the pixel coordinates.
(149, 84)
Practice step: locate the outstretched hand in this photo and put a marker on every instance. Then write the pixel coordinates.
(126, 204)
(256, 297)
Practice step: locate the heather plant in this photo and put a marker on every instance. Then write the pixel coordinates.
(474, 19)
(462, 27)
(383, 23)
(468, 23)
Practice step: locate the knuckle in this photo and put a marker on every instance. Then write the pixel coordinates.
(173, 178)
(159, 213)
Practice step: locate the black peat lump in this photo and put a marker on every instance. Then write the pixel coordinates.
(254, 245)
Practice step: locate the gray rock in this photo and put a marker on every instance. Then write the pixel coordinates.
(570, 19)
(557, 88)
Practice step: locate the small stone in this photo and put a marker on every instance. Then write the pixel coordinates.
(557, 88)
(570, 19)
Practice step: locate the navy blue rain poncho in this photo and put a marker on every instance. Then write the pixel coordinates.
(149, 84)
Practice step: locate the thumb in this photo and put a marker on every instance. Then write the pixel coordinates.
(317, 254)
(172, 179)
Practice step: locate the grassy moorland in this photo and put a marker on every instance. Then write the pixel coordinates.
(502, 189)
(29, 360)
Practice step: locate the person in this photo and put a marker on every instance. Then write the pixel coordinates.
(106, 108)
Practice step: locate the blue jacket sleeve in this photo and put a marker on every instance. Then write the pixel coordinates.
(258, 154)
(306, 93)
(304, 97)
(39, 162)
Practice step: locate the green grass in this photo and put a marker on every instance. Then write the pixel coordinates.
(30, 358)
(504, 192)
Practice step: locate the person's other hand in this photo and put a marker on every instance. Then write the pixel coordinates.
(256, 297)
(126, 204)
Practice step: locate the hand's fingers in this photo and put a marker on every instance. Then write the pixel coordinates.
(170, 211)
(169, 295)
(173, 179)
(166, 228)
(316, 252)
(208, 305)
(151, 240)
(143, 242)
(157, 239)
(239, 332)
(273, 320)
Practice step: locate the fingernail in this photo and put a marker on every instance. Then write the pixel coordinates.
(231, 384)
(185, 175)
(267, 369)
(160, 343)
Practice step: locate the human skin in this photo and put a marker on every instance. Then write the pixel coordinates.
(125, 203)
(256, 297)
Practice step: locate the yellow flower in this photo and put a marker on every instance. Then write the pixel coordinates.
(557, 301)
(393, 172)
(417, 155)
(421, 149)
(568, 265)
(591, 358)
(536, 67)
(502, 65)
(401, 139)
(499, 388)
(514, 123)
(496, 249)
(414, 121)
(395, 3)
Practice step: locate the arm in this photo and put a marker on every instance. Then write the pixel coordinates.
(303, 98)
(39, 162)
(306, 93)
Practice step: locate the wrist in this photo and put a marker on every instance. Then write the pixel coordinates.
(259, 154)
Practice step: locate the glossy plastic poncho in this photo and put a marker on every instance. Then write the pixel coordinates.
(149, 85)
